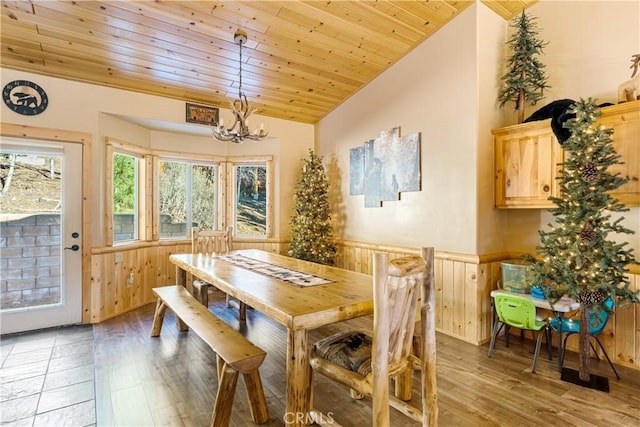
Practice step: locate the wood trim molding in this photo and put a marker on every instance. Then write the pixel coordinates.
(98, 250)
(108, 195)
(451, 256)
(48, 134)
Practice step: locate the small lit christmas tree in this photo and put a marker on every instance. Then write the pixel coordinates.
(577, 258)
(310, 226)
(526, 79)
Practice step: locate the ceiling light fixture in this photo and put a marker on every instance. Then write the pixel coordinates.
(239, 130)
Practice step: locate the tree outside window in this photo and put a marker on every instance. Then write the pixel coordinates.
(188, 194)
(125, 197)
(251, 200)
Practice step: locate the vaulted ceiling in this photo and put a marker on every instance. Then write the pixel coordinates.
(302, 58)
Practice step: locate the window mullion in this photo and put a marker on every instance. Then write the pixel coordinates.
(155, 199)
(109, 238)
(136, 200)
(145, 198)
(189, 198)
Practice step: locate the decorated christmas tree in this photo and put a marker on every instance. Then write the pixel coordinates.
(310, 226)
(578, 257)
(526, 79)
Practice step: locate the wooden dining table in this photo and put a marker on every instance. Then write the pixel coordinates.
(299, 308)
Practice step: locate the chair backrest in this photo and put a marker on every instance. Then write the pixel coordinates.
(397, 288)
(599, 317)
(515, 310)
(212, 242)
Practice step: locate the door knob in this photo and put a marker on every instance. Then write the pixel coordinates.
(73, 248)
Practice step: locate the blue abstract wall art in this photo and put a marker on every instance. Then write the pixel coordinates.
(385, 167)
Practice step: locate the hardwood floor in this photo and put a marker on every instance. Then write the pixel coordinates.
(171, 381)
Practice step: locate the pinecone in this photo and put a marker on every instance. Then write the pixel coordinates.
(587, 233)
(588, 297)
(589, 173)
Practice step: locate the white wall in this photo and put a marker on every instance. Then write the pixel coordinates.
(432, 90)
(491, 36)
(106, 112)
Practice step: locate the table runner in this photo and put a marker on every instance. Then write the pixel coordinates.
(288, 275)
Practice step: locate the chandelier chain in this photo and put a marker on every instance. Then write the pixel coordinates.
(240, 67)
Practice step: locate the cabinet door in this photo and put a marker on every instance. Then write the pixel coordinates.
(526, 168)
(626, 140)
(527, 158)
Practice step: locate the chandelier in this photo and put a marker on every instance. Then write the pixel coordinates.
(239, 130)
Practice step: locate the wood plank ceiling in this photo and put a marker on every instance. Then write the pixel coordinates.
(302, 58)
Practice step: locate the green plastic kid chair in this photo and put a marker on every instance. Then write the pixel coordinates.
(518, 312)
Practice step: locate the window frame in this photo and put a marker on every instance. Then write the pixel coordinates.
(143, 193)
(233, 163)
(191, 159)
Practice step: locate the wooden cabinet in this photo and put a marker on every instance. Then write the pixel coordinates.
(625, 121)
(527, 158)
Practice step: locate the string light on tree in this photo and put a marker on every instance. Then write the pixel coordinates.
(579, 259)
(310, 225)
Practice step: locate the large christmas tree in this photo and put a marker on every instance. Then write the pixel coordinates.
(310, 226)
(526, 79)
(578, 259)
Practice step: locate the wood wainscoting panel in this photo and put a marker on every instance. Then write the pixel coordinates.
(112, 291)
(463, 285)
(273, 246)
(463, 302)
(122, 278)
(445, 323)
(99, 280)
(624, 334)
(621, 336)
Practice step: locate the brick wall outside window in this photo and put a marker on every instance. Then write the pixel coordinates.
(30, 261)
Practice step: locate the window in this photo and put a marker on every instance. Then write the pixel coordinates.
(125, 197)
(154, 195)
(188, 196)
(128, 195)
(252, 198)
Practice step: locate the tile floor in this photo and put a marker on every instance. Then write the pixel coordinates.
(47, 378)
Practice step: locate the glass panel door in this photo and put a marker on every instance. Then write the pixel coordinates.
(40, 215)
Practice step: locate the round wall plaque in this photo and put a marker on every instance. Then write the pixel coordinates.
(25, 97)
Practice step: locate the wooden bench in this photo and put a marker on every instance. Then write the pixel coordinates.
(234, 352)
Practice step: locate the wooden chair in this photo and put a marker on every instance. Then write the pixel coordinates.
(213, 242)
(366, 363)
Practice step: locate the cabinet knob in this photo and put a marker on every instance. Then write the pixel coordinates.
(545, 188)
(509, 182)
